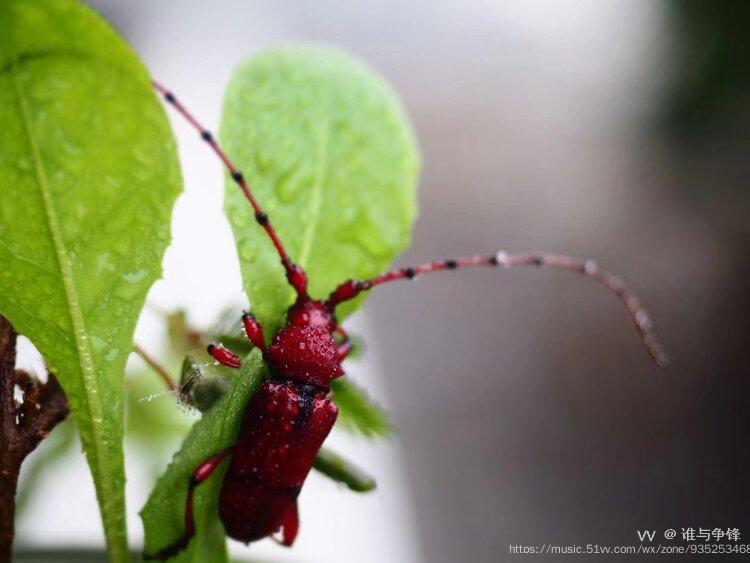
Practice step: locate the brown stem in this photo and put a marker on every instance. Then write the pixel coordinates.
(9, 464)
(22, 426)
(8, 485)
(158, 368)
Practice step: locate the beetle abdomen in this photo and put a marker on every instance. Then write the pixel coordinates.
(284, 426)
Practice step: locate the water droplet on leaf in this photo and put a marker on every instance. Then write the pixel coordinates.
(248, 250)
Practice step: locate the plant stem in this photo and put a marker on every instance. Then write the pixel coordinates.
(9, 465)
(8, 484)
(158, 368)
(22, 426)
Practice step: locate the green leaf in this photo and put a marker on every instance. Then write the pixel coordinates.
(341, 470)
(329, 153)
(88, 173)
(163, 514)
(357, 411)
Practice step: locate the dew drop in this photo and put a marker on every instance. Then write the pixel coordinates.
(240, 216)
(262, 161)
(162, 234)
(128, 291)
(71, 149)
(290, 185)
(135, 277)
(248, 250)
(104, 262)
(366, 270)
(97, 343)
(366, 234)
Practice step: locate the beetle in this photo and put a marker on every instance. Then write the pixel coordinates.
(287, 420)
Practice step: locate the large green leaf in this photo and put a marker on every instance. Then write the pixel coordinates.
(88, 173)
(163, 514)
(329, 153)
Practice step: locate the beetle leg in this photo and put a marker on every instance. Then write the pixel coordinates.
(342, 351)
(290, 526)
(201, 473)
(341, 333)
(224, 356)
(254, 331)
(344, 346)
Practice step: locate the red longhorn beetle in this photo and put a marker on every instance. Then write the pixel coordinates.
(289, 417)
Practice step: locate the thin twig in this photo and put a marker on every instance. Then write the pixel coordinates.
(158, 368)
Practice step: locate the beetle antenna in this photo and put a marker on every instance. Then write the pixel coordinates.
(351, 288)
(294, 273)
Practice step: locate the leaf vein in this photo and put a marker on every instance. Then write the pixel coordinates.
(316, 198)
(21, 258)
(83, 351)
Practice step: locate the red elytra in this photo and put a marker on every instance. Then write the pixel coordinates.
(290, 416)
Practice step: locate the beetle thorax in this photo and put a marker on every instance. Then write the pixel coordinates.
(304, 349)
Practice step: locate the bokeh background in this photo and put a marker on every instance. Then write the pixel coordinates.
(527, 412)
